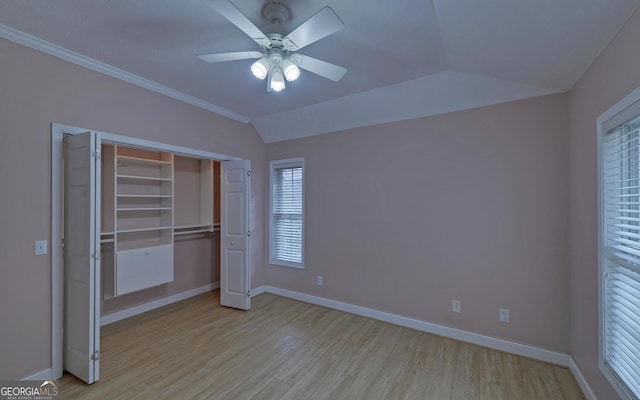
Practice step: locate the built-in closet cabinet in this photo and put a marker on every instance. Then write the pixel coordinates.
(148, 197)
(137, 195)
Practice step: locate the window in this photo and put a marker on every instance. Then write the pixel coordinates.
(286, 226)
(620, 251)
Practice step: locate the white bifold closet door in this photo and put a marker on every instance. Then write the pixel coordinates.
(81, 256)
(234, 238)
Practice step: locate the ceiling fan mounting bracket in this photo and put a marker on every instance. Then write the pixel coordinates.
(275, 12)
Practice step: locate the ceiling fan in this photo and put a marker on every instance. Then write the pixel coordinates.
(278, 59)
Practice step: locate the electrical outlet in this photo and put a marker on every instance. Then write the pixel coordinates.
(505, 315)
(319, 281)
(456, 306)
(40, 247)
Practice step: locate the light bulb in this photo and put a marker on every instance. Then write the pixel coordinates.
(260, 68)
(277, 79)
(291, 71)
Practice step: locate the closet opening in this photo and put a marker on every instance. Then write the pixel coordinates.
(140, 225)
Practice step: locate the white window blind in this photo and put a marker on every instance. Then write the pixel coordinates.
(287, 219)
(621, 264)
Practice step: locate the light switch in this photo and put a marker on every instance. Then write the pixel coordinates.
(41, 247)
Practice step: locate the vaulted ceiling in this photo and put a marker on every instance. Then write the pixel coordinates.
(405, 59)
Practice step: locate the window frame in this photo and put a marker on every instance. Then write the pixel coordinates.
(618, 114)
(273, 166)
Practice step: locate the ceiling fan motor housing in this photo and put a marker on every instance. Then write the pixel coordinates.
(276, 40)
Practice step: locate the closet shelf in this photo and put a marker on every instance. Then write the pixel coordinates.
(143, 208)
(145, 196)
(139, 160)
(143, 178)
(157, 228)
(195, 226)
(192, 229)
(192, 232)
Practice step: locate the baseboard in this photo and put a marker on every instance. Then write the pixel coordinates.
(40, 376)
(582, 382)
(257, 291)
(142, 308)
(457, 334)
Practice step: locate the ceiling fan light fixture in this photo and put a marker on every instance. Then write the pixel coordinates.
(276, 82)
(260, 68)
(291, 71)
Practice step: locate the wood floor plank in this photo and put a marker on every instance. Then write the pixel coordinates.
(283, 349)
(416, 378)
(442, 368)
(518, 377)
(318, 378)
(274, 389)
(393, 379)
(466, 375)
(479, 374)
(568, 386)
(492, 379)
(369, 363)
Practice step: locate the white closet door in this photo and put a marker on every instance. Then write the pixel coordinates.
(81, 256)
(234, 238)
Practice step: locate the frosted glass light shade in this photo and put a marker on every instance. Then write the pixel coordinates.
(277, 79)
(291, 71)
(260, 68)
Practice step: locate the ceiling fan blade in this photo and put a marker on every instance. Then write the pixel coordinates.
(228, 10)
(222, 57)
(320, 25)
(319, 67)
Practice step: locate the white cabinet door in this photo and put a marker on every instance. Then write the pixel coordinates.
(234, 238)
(81, 251)
(143, 268)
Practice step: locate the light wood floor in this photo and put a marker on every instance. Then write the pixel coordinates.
(285, 349)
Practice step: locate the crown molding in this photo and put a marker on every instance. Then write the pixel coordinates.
(38, 44)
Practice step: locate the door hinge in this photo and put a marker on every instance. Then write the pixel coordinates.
(95, 256)
(248, 293)
(249, 233)
(248, 172)
(95, 356)
(96, 154)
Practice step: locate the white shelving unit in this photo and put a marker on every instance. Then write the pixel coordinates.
(141, 210)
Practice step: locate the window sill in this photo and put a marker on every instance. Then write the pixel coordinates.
(278, 263)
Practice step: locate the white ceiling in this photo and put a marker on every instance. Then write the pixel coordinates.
(405, 59)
